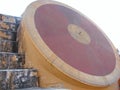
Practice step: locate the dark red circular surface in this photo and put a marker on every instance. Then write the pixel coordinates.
(96, 58)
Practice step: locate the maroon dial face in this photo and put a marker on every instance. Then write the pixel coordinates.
(75, 39)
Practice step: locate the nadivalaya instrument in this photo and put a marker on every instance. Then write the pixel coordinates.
(69, 50)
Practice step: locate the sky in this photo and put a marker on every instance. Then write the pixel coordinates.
(104, 13)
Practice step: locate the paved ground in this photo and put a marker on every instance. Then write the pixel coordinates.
(42, 89)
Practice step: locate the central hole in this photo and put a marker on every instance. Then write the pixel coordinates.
(79, 33)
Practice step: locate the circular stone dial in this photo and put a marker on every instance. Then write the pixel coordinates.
(75, 39)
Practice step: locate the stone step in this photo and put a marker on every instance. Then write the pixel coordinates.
(11, 60)
(10, 19)
(8, 35)
(8, 46)
(18, 78)
(8, 26)
(19, 70)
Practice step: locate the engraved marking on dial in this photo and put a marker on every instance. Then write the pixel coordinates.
(79, 34)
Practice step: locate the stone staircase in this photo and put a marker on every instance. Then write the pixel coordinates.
(13, 73)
